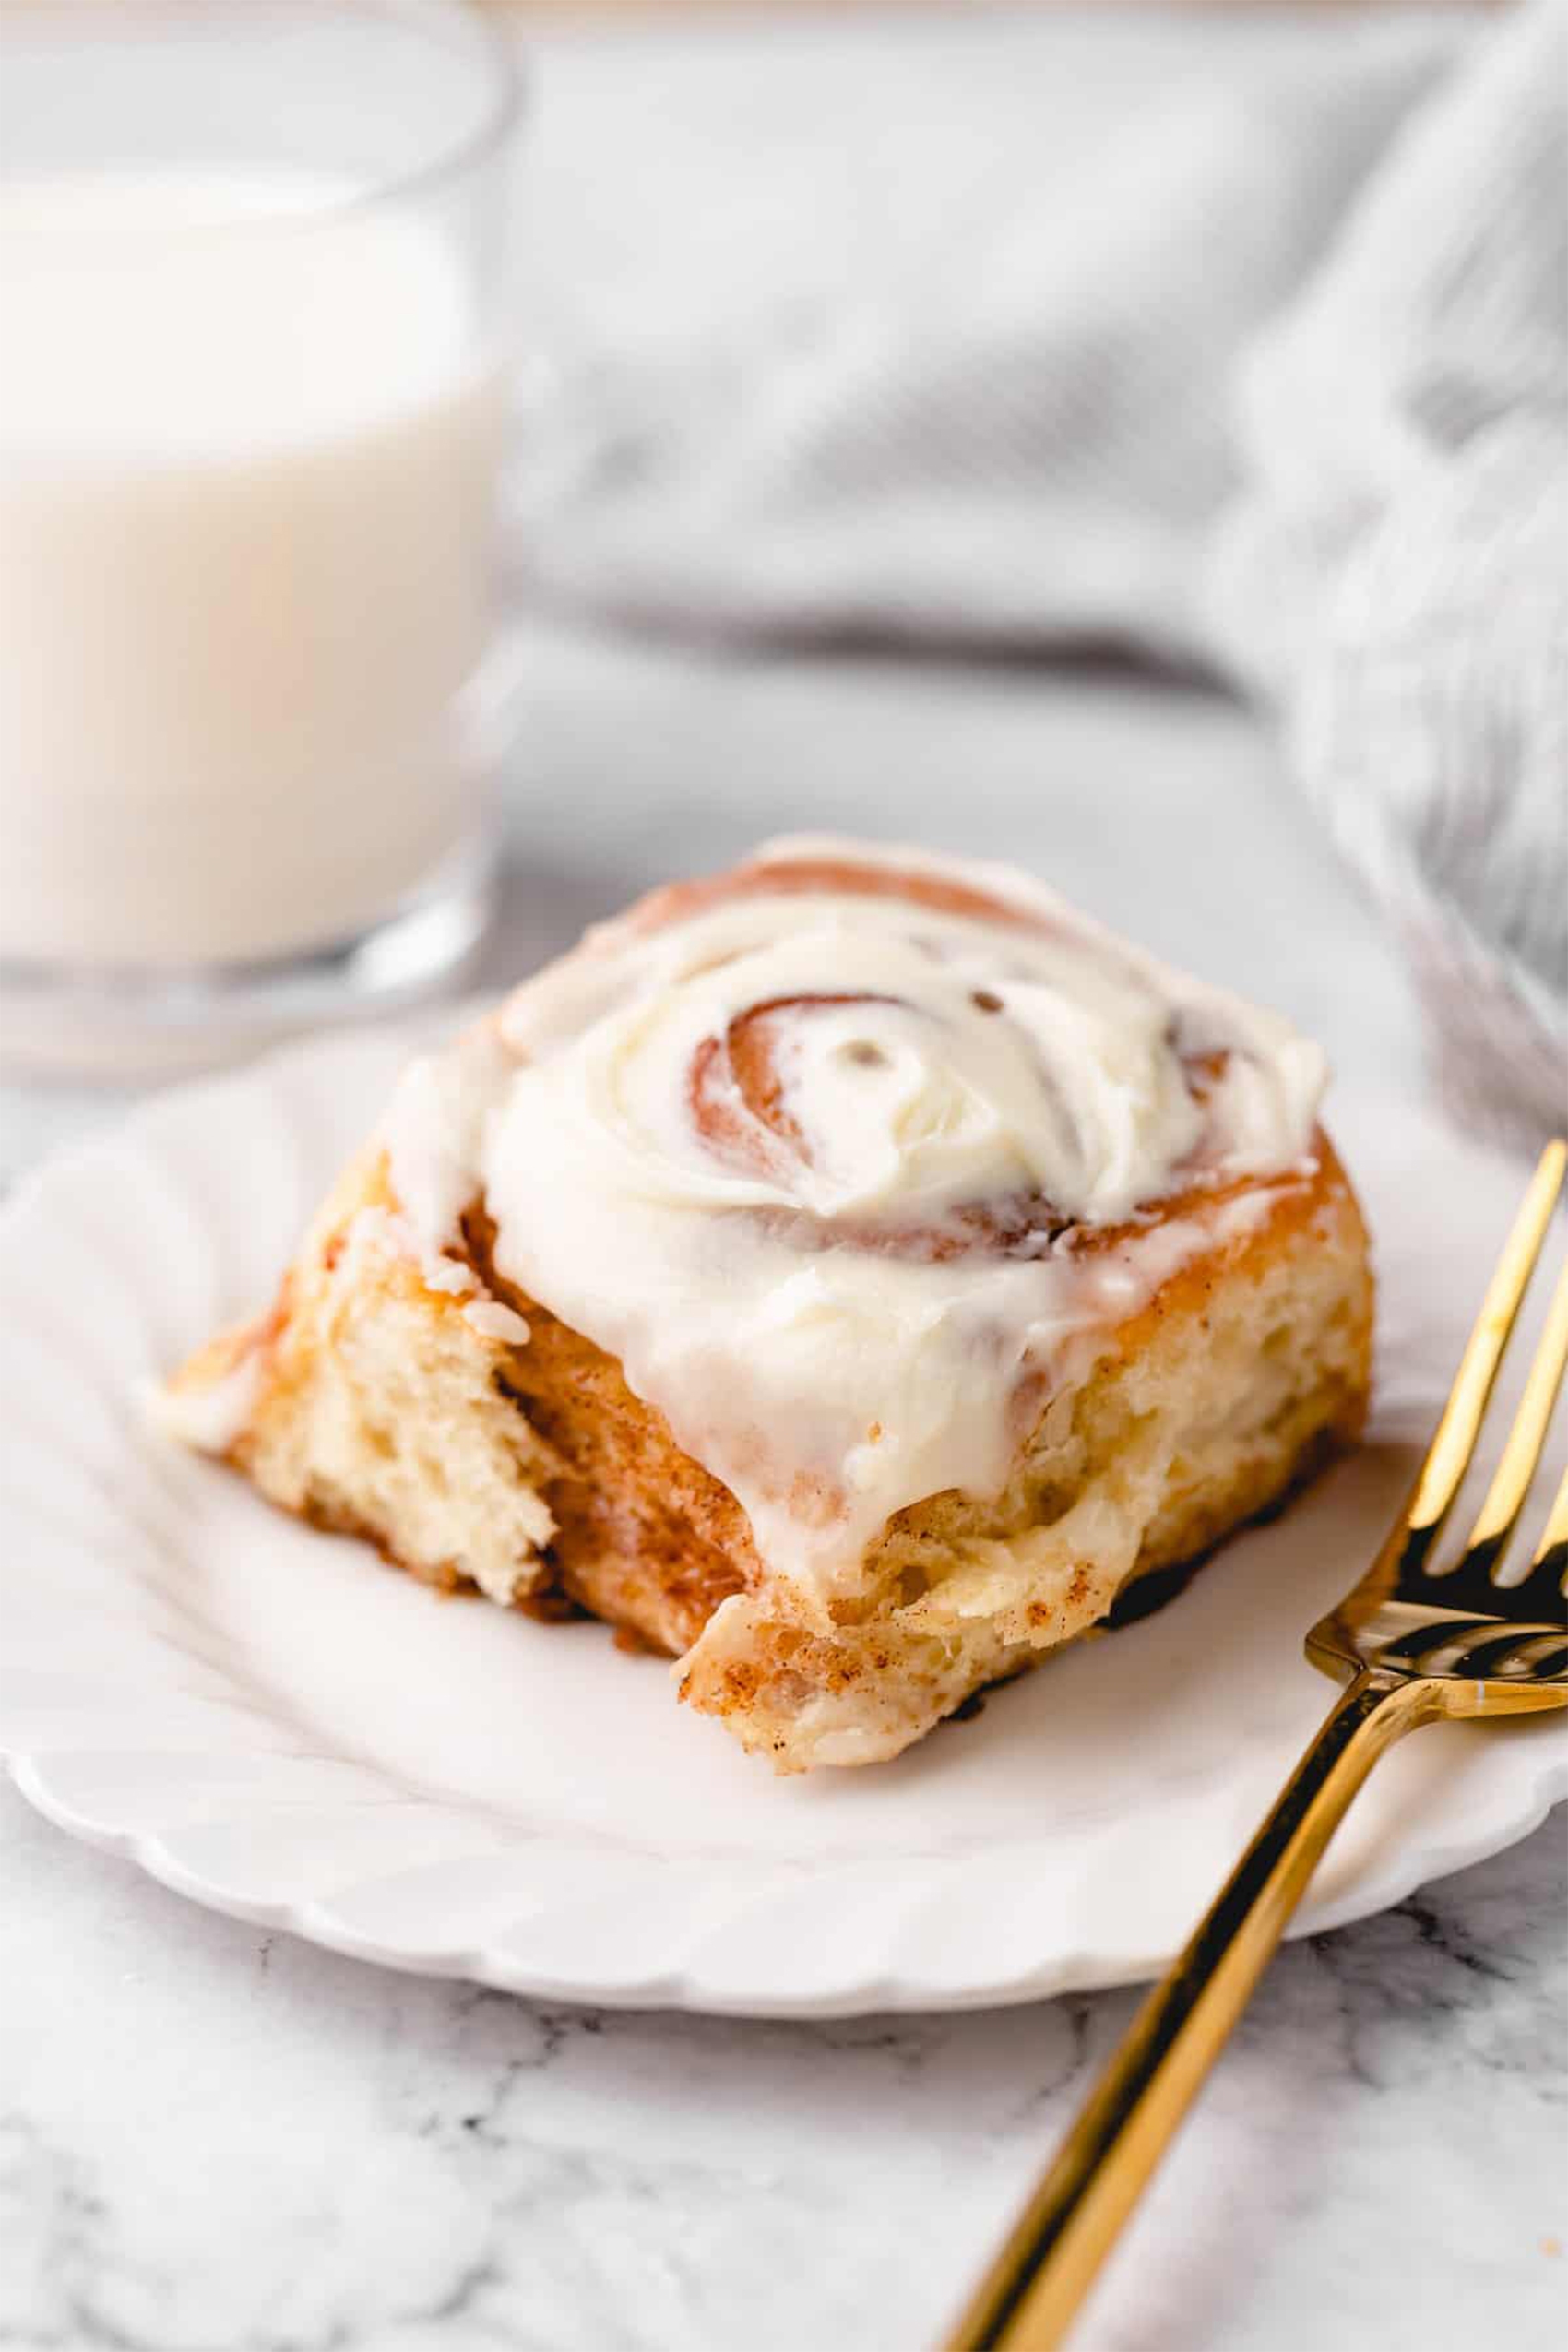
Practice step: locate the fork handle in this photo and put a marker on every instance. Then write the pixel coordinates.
(1027, 2301)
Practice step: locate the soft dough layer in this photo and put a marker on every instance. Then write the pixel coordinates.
(370, 1402)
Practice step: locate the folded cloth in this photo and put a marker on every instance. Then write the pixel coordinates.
(1397, 572)
(937, 337)
(924, 329)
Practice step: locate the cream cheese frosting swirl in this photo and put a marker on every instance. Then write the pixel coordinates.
(816, 1150)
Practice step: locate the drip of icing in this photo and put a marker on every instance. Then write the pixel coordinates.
(494, 1320)
(209, 1419)
(814, 1152)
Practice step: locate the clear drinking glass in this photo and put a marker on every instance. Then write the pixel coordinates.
(252, 291)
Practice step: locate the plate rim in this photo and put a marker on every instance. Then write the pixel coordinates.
(684, 1991)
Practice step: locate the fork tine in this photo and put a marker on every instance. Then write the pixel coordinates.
(1499, 1514)
(1448, 1457)
(1550, 1563)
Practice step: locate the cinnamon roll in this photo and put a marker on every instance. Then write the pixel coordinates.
(846, 1274)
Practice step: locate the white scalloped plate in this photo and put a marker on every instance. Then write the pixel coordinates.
(272, 1723)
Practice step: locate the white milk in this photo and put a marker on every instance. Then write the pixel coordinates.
(245, 468)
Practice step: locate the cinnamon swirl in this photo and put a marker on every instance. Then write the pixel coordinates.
(845, 1274)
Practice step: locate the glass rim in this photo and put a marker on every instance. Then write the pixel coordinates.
(500, 111)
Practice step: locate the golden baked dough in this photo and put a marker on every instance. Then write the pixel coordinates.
(397, 1397)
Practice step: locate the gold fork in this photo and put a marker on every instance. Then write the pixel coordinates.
(1416, 1643)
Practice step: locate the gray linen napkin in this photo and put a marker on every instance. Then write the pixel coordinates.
(1396, 573)
(923, 327)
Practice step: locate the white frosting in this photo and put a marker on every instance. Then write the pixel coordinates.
(873, 1075)
(494, 1320)
(209, 1419)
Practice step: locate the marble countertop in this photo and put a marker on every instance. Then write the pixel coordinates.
(215, 2140)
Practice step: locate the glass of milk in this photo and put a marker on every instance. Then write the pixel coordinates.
(252, 292)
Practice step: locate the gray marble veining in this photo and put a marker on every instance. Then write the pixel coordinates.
(215, 2140)
(212, 2140)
